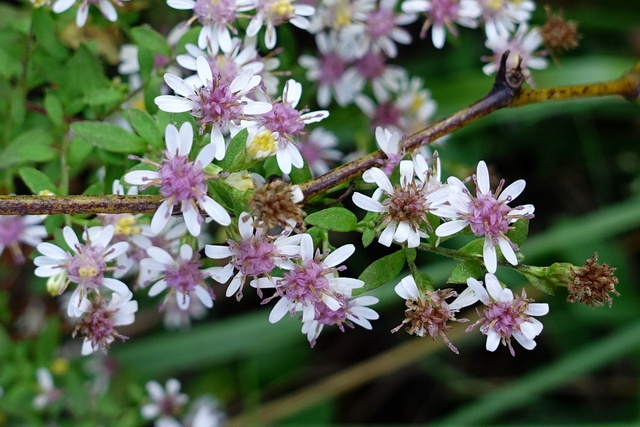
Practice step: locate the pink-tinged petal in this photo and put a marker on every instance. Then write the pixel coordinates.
(205, 156)
(292, 93)
(314, 116)
(507, 251)
(489, 255)
(62, 5)
(157, 288)
(493, 340)
(279, 310)
(482, 178)
(217, 252)
(181, 4)
(183, 300)
(185, 139)
(367, 203)
(386, 237)
(204, 296)
(537, 309)
(450, 228)
(52, 251)
(160, 255)
(512, 191)
(82, 14)
(161, 217)
(339, 255)
(204, 70)
(178, 85)
(191, 218)
(140, 177)
(116, 250)
(71, 238)
(407, 289)
(478, 290)
(173, 104)
(108, 11)
(215, 211)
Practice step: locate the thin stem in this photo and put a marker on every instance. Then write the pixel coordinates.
(51, 205)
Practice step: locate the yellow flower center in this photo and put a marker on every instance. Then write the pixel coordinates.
(88, 271)
(282, 7)
(495, 5)
(342, 15)
(127, 226)
(60, 366)
(263, 145)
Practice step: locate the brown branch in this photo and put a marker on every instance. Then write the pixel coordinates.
(51, 205)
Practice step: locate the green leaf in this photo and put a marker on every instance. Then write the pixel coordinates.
(545, 285)
(36, 180)
(109, 137)
(84, 74)
(465, 269)
(473, 248)
(299, 175)
(367, 236)
(334, 219)
(30, 146)
(53, 106)
(148, 38)
(520, 230)
(235, 155)
(102, 96)
(381, 271)
(145, 126)
(424, 282)
(44, 30)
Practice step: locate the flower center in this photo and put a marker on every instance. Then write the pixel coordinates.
(11, 227)
(488, 216)
(87, 267)
(407, 204)
(442, 11)
(263, 145)
(380, 23)
(284, 8)
(305, 282)
(181, 179)
(185, 275)
(216, 104)
(254, 257)
(370, 66)
(332, 66)
(216, 11)
(506, 317)
(284, 119)
(387, 115)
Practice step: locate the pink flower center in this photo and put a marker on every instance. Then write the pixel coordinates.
(331, 67)
(488, 216)
(380, 23)
(216, 104)
(216, 11)
(253, 256)
(284, 120)
(306, 282)
(87, 267)
(184, 276)
(371, 66)
(505, 317)
(442, 11)
(11, 228)
(181, 179)
(387, 115)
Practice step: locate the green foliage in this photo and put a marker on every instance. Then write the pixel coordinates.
(334, 219)
(109, 137)
(382, 271)
(145, 126)
(465, 269)
(36, 180)
(146, 37)
(235, 156)
(31, 146)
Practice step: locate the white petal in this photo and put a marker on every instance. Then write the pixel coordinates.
(482, 177)
(183, 300)
(215, 211)
(204, 296)
(191, 218)
(380, 178)
(217, 252)
(161, 217)
(279, 310)
(493, 340)
(386, 237)
(204, 70)
(513, 190)
(339, 255)
(186, 139)
(173, 104)
(52, 251)
(178, 85)
(367, 203)
(507, 251)
(206, 156)
(115, 285)
(407, 289)
(62, 5)
(537, 309)
(140, 177)
(489, 255)
(450, 228)
(494, 288)
(71, 238)
(157, 287)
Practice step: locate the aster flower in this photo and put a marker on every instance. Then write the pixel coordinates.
(85, 265)
(328, 69)
(500, 17)
(372, 68)
(276, 12)
(506, 315)
(105, 6)
(216, 17)
(427, 312)
(442, 14)
(214, 103)
(181, 182)
(487, 214)
(337, 15)
(166, 403)
(16, 229)
(97, 326)
(319, 151)
(180, 274)
(380, 31)
(522, 45)
(312, 286)
(48, 393)
(254, 254)
(351, 311)
(287, 124)
(405, 207)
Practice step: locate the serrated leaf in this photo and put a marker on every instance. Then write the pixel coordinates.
(234, 157)
(36, 180)
(367, 236)
(109, 137)
(545, 285)
(30, 146)
(465, 269)
(520, 231)
(334, 219)
(381, 271)
(145, 126)
(150, 39)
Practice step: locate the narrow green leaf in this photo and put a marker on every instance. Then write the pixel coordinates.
(150, 39)
(381, 271)
(334, 219)
(465, 269)
(520, 231)
(102, 96)
(145, 126)
(53, 106)
(44, 30)
(367, 236)
(109, 137)
(36, 180)
(545, 285)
